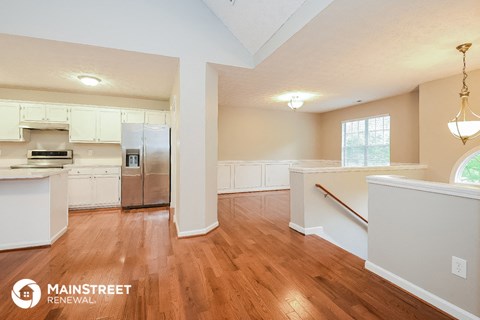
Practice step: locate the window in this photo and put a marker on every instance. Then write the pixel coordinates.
(366, 142)
(469, 170)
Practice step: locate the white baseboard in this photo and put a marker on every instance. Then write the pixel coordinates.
(58, 235)
(22, 245)
(318, 231)
(33, 244)
(306, 231)
(198, 232)
(423, 294)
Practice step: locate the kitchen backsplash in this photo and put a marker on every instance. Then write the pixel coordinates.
(83, 154)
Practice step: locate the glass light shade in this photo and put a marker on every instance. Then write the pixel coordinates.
(465, 129)
(466, 124)
(89, 81)
(295, 103)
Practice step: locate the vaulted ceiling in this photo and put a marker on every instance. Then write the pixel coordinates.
(254, 22)
(360, 50)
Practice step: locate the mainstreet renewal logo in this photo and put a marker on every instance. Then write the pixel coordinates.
(78, 293)
(26, 293)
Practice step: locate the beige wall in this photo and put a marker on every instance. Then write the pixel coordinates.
(77, 98)
(403, 111)
(439, 103)
(259, 134)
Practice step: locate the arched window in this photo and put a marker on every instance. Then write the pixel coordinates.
(469, 169)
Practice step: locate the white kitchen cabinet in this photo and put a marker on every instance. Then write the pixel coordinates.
(9, 122)
(80, 191)
(107, 190)
(32, 112)
(94, 125)
(83, 125)
(133, 116)
(157, 117)
(56, 113)
(44, 113)
(92, 187)
(109, 126)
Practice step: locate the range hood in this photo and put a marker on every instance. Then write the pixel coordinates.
(44, 126)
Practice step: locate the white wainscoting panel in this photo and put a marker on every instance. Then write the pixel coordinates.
(248, 176)
(261, 175)
(277, 175)
(224, 177)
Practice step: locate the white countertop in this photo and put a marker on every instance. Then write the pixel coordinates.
(301, 169)
(72, 166)
(17, 174)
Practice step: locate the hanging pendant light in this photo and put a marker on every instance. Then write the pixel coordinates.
(295, 103)
(466, 124)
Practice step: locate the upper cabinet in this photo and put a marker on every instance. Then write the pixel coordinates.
(87, 124)
(95, 125)
(44, 113)
(133, 116)
(9, 122)
(157, 117)
(109, 125)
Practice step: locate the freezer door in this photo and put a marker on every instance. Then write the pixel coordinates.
(132, 172)
(156, 182)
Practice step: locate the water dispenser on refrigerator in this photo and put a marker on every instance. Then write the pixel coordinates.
(132, 158)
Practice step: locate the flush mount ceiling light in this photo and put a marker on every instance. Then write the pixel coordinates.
(466, 124)
(295, 103)
(89, 80)
(296, 99)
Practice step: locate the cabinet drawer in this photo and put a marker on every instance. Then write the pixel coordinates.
(81, 171)
(107, 170)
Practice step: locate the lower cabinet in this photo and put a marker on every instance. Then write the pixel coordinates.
(94, 187)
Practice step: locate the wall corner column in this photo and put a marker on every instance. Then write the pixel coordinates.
(196, 148)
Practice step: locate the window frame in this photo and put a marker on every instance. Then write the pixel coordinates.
(365, 153)
(460, 167)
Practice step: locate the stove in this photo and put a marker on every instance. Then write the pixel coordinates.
(46, 159)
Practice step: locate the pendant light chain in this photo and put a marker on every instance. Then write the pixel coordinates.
(465, 76)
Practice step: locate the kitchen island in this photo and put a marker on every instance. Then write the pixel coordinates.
(34, 207)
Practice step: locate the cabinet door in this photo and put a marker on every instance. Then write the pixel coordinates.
(83, 125)
(33, 112)
(109, 126)
(133, 116)
(9, 121)
(155, 117)
(80, 191)
(107, 190)
(56, 114)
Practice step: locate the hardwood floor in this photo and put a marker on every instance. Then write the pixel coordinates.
(251, 267)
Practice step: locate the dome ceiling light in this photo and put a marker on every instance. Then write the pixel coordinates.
(89, 80)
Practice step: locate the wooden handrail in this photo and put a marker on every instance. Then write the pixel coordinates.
(328, 193)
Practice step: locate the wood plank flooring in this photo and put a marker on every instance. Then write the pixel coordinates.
(251, 267)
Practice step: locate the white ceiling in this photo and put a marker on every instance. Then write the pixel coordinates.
(360, 50)
(253, 22)
(352, 50)
(29, 63)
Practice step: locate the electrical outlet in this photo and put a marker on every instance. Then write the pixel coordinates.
(459, 267)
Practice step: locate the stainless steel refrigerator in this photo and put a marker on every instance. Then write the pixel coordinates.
(146, 165)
